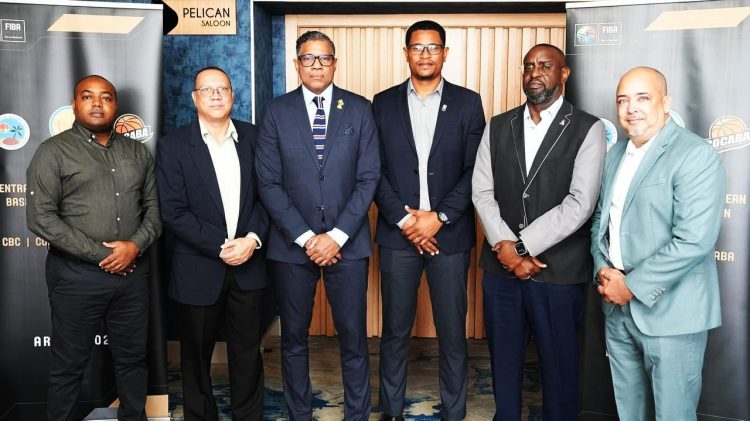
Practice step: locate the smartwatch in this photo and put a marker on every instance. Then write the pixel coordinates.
(521, 249)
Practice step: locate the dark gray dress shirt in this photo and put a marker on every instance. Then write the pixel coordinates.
(81, 193)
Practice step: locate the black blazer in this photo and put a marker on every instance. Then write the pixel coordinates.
(193, 214)
(459, 129)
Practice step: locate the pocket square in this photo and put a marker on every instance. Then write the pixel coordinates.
(349, 130)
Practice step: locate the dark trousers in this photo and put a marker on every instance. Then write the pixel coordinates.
(241, 312)
(346, 289)
(400, 276)
(81, 295)
(514, 309)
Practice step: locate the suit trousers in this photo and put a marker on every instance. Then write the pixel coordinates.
(81, 297)
(241, 312)
(346, 289)
(514, 309)
(400, 276)
(654, 377)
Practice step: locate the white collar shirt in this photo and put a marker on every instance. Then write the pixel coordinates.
(628, 167)
(533, 134)
(308, 96)
(227, 168)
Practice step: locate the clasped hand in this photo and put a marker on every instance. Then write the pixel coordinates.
(323, 250)
(122, 259)
(238, 251)
(421, 229)
(612, 286)
(523, 267)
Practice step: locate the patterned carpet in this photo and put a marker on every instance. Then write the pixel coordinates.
(422, 389)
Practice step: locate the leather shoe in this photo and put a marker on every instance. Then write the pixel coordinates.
(387, 417)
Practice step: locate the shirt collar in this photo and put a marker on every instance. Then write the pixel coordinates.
(327, 94)
(89, 136)
(231, 131)
(438, 89)
(631, 149)
(550, 112)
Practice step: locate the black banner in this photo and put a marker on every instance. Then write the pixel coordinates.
(44, 50)
(702, 48)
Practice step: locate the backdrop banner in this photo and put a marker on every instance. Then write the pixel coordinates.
(45, 49)
(702, 48)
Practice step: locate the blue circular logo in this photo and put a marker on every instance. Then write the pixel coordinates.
(14, 132)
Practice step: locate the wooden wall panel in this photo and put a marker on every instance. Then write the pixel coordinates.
(485, 55)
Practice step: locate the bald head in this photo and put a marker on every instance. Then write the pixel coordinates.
(647, 73)
(642, 103)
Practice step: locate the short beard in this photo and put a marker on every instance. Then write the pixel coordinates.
(540, 97)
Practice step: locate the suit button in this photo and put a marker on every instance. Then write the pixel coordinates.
(322, 177)
(416, 194)
(416, 172)
(525, 196)
(520, 226)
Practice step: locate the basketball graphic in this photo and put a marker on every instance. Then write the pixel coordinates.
(728, 133)
(61, 120)
(133, 127)
(726, 126)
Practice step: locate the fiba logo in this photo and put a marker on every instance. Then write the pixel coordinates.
(728, 133)
(133, 127)
(585, 35)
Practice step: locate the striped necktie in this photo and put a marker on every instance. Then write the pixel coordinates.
(319, 128)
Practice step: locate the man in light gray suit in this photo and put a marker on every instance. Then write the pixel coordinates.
(653, 237)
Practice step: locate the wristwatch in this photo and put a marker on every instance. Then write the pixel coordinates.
(442, 217)
(521, 249)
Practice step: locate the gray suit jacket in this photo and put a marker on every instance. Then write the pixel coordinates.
(670, 223)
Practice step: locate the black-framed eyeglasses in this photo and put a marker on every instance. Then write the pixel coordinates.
(417, 49)
(209, 92)
(307, 60)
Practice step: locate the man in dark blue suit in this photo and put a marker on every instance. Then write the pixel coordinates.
(429, 134)
(318, 169)
(216, 226)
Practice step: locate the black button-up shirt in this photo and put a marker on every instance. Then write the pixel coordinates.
(81, 193)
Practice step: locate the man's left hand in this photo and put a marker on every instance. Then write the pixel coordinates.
(426, 227)
(323, 250)
(238, 251)
(122, 257)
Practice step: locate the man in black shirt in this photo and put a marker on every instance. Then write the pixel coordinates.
(92, 196)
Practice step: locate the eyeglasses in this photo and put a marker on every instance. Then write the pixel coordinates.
(543, 68)
(417, 49)
(209, 92)
(307, 60)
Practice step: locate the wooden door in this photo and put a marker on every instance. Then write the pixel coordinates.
(485, 55)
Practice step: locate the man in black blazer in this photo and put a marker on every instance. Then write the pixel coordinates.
(216, 228)
(429, 134)
(318, 168)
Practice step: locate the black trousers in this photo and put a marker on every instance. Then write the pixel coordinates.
(81, 295)
(241, 311)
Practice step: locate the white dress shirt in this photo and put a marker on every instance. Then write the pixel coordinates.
(533, 134)
(227, 168)
(628, 166)
(340, 237)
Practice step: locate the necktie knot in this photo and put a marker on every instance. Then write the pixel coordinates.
(318, 101)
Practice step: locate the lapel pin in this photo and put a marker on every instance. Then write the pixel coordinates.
(340, 104)
(445, 106)
(562, 122)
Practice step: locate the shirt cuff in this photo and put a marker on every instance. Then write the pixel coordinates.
(302, 239)
(403, 221)
(338, 236)
(255, 237)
